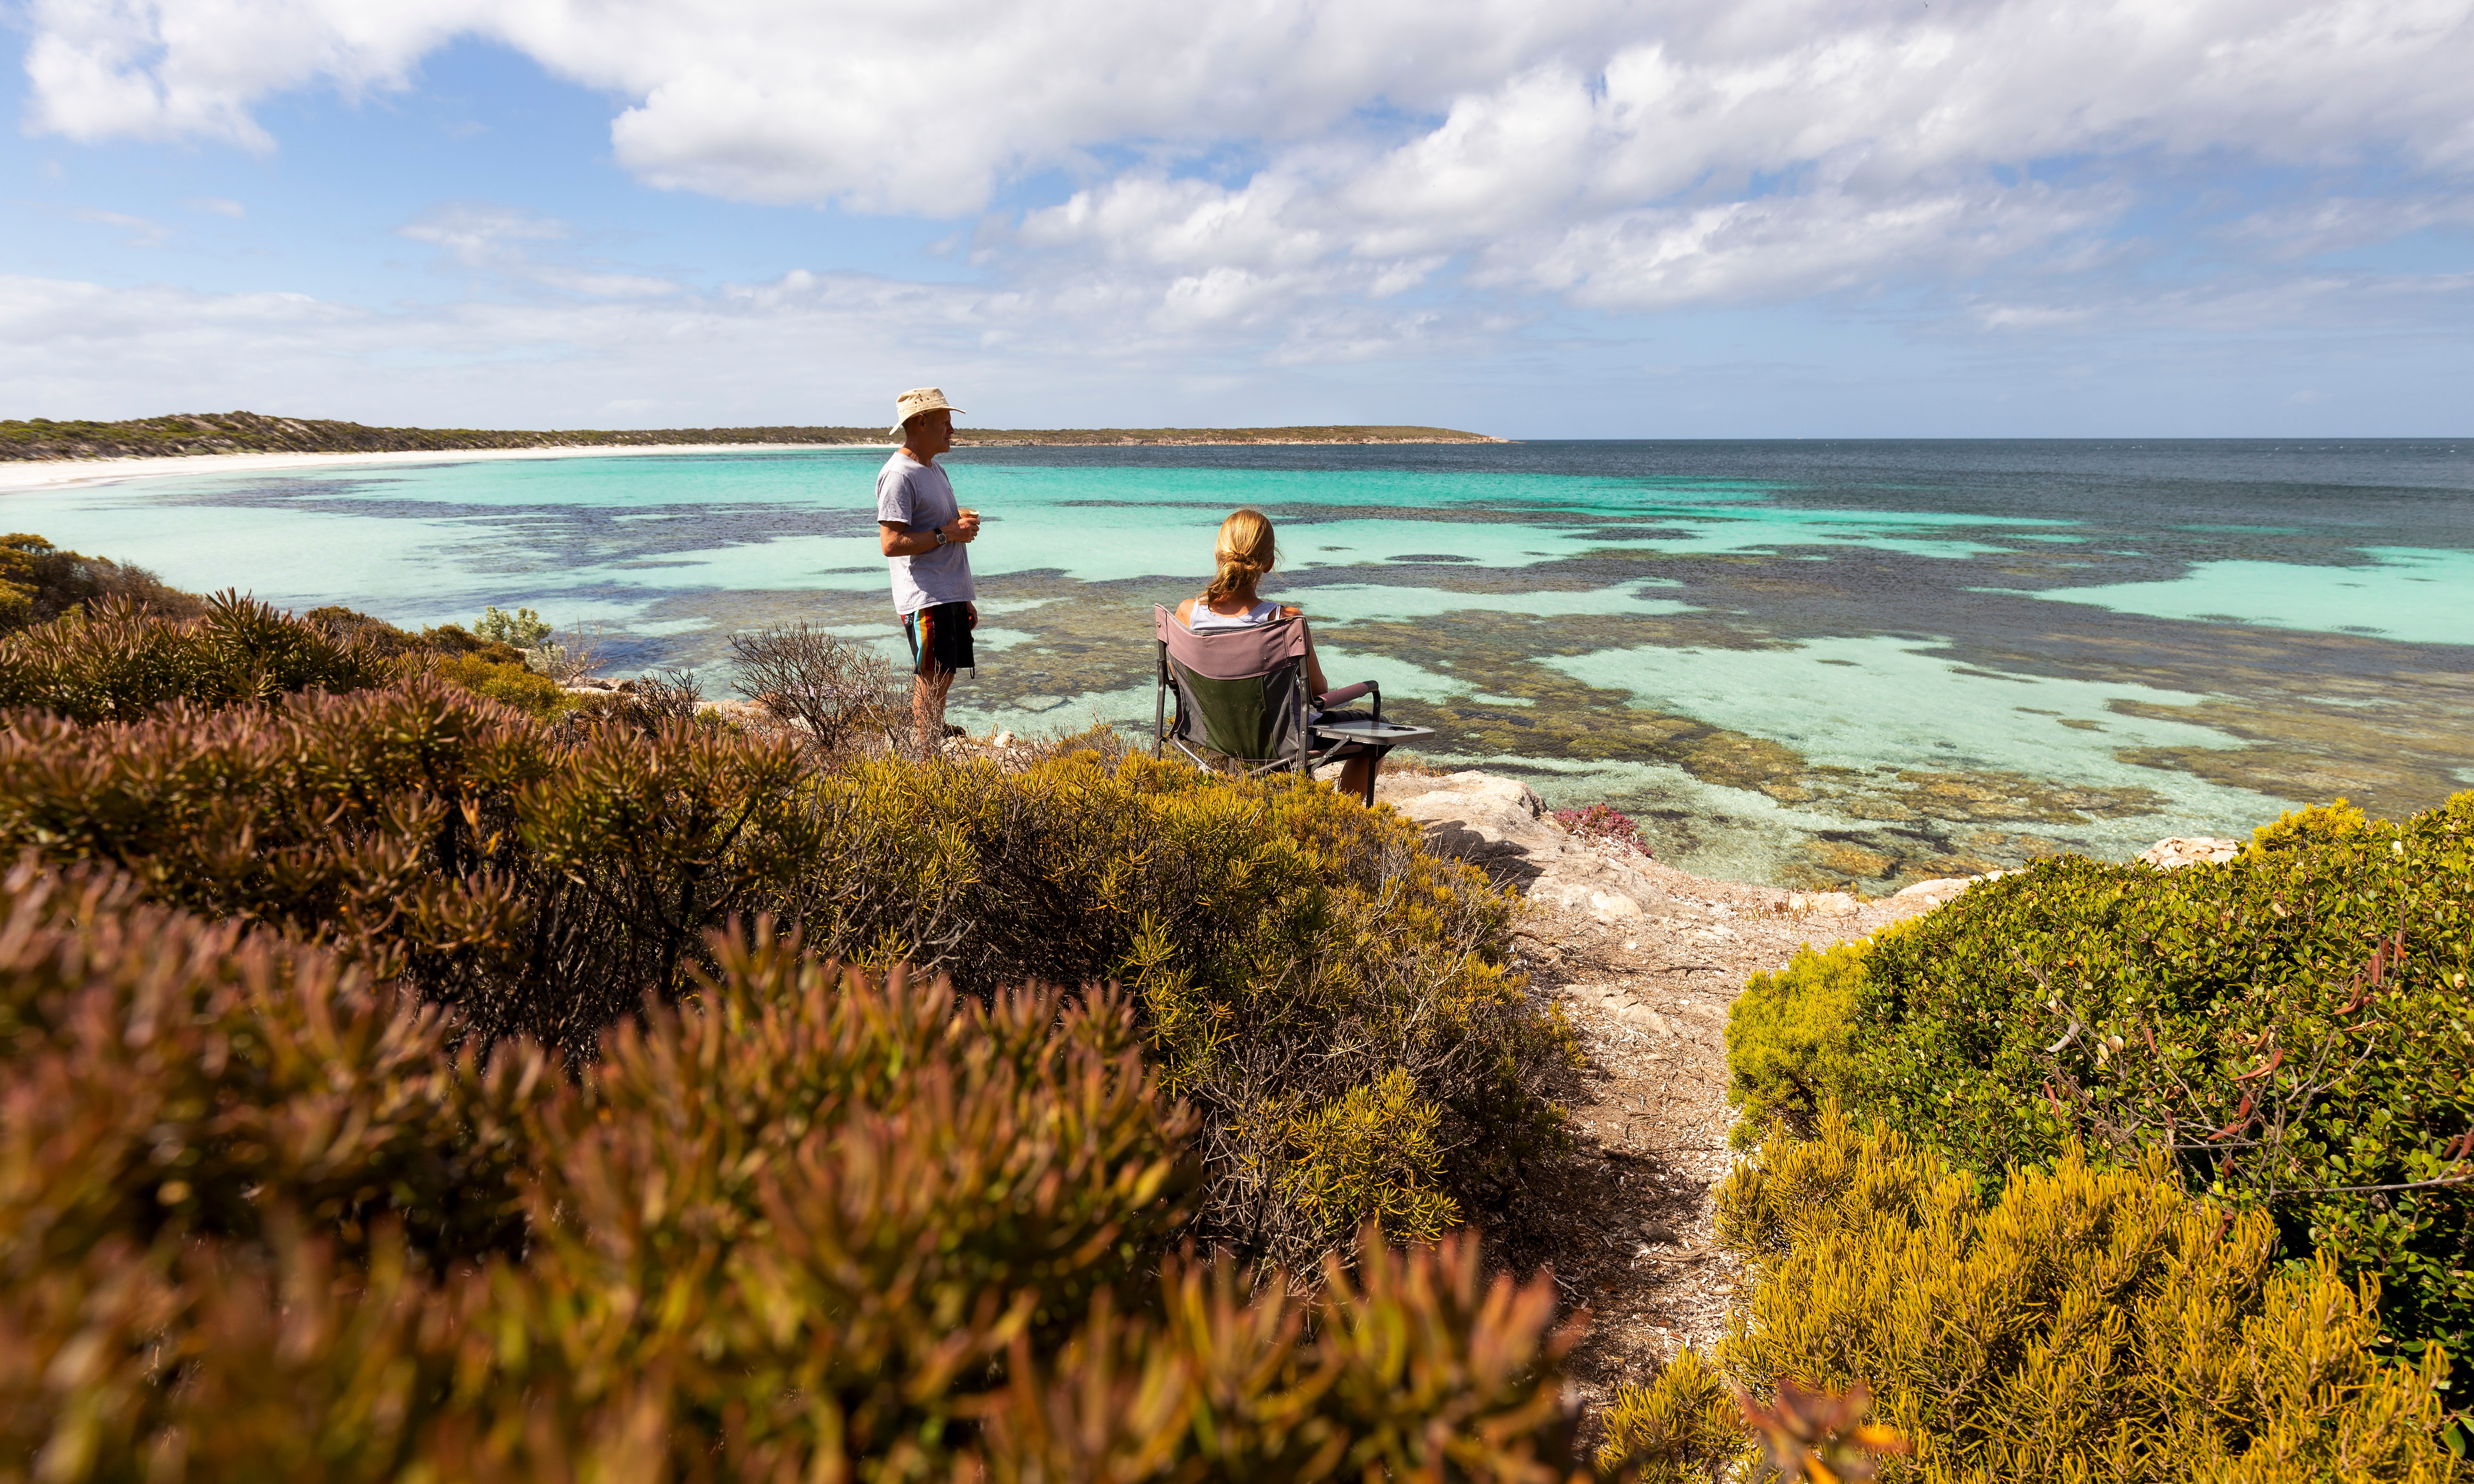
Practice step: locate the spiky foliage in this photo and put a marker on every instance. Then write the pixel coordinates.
(806, 1225)
(1292, 955)
(116, 657)
(167, 1077)
(2088, 1323)
(1682, 1427)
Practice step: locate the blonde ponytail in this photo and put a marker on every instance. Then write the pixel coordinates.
(1244, 555)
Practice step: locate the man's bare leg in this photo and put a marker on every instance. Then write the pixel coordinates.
(1355, 774)
(928, 710)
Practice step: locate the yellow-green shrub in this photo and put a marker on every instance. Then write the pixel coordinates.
(2318, 824)
(1370, 1154)
(1287, 946)
(1682, 1427)
(2088, 1323)
(1790, 1039)
(2295, 1026)
(536, 695)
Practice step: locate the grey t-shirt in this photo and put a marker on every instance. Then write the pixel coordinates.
(918, 498)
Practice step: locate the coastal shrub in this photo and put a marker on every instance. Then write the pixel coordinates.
(168, 1078)
(375, 634)
(2293, 1028)
(1603, 822)
(115, 657)
(2085, 1322)
(836, 691)
(515, 686)
(1681, 1426)
(39, 582)
(524, 628)
(1287, 947)
(807, 1224)
(1791, 1038)
(532, 887)
(1369, 1152)
(2316, 824)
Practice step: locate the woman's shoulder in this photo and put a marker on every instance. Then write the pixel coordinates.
(1291, 610)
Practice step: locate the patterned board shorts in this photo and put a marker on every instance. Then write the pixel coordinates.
(940, 638)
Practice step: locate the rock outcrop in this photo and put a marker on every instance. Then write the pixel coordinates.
(2199, 850)
(1500, 826)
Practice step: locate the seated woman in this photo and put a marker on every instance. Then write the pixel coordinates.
(1245, 557)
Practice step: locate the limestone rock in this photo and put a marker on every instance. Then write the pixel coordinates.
(1500, 826)
(1828, 904)
(1936, 891)
(2174, 854)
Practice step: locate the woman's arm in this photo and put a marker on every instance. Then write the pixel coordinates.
(1314, 664)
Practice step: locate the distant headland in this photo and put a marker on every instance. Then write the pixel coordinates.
(248, 432)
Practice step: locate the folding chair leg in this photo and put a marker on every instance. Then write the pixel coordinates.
(1159, 700)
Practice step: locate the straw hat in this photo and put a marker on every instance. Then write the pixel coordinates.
(918, 400)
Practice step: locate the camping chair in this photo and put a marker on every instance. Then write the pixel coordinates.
(1242, 692)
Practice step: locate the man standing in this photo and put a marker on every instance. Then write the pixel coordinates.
(923, 533)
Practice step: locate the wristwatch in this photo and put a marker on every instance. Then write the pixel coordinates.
(937, 531)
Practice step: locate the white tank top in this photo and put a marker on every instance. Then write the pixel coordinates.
(1200, 618)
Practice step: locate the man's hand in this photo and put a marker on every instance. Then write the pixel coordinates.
(963, 529)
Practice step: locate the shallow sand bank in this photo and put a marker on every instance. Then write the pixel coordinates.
(57, 473)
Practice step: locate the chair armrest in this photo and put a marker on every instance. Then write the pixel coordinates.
(1345, 693)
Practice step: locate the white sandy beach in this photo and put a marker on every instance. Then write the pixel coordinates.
(56, 474)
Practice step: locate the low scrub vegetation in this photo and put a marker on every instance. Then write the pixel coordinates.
(38, 583)
(1327, 996)
(2289, 1034)
(261, 1216)
(2081, 1323)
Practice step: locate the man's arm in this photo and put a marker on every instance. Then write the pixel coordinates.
(897, 539)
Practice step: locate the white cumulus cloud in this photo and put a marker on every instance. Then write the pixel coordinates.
(1257, 172)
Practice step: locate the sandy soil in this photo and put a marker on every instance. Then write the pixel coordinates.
(54, 473)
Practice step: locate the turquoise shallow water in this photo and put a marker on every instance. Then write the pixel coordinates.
(1799, 662)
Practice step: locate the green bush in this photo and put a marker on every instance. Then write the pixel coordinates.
(2291, 1028)
(806, 1223)
(1682, 1427)
(2087, 1323)
(1791, 1038)
(524, 628)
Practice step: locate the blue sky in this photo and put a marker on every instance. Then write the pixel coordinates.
(1606, 219)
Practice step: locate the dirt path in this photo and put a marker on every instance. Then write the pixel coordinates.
(1646, 962)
